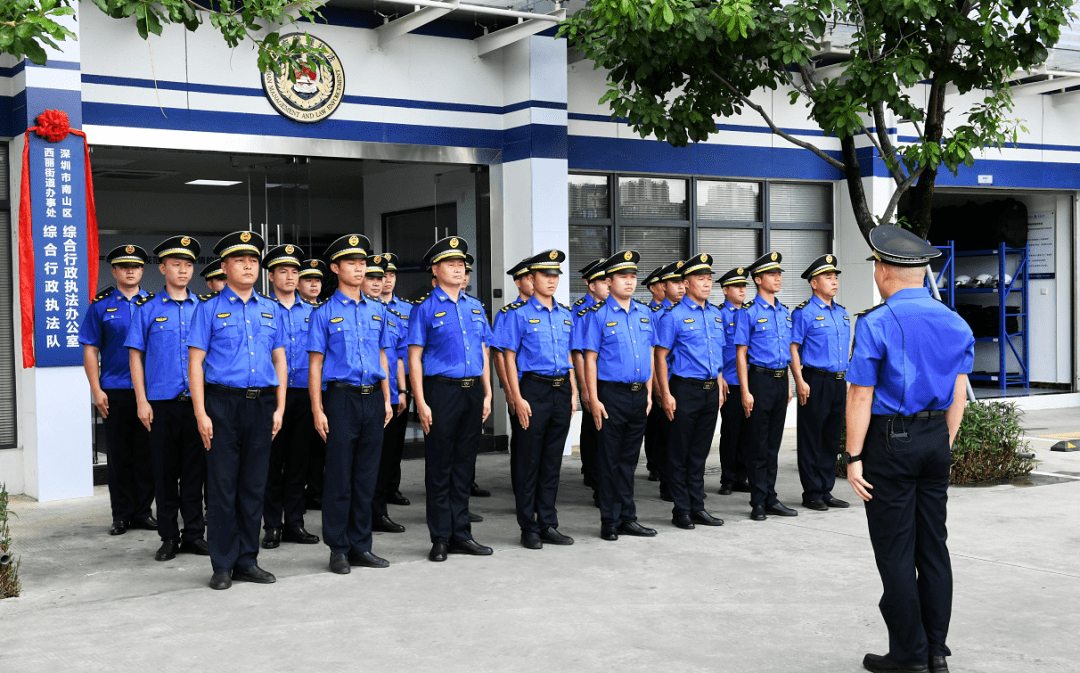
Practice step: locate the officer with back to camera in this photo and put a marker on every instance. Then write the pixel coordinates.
(908, 376)
(597, 284)
(819, 359)
(734, 428)
(103, 332)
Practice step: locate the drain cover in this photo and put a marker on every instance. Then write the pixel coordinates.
(1067, 445)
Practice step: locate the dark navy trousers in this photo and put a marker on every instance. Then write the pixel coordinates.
(587, 447)
(821, 420)
(657, 436)
(130, 467)
(537, 460)
(906, 518)
(353, 451)
(236, 468)
(618, 449)
(766, 431)
(389, 463)
(179, 469)
(450, 456)
(691, 438)
(284, 501)
(734, 438)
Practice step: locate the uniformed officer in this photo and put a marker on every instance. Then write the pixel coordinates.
(618, 347)
(239, 402)
(658, 426)
(389, 459)
(907, 375)
(311, 277)
(158, 347)
(763, 340)
(655, 287)
(104, 329)
(214, 276)
(397, 428)
(535, 337)
(821, 331)
(283, 510)
(474, 489)
(309, 287)
(691, 337)
(347, 341)
(597, 283)
(734, 429)
(523, 279)
(449, 371)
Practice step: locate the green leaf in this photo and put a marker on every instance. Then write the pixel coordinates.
(669, 16)
(34, 52)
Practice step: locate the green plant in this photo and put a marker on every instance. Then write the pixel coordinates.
(9, 573)
(987, 446)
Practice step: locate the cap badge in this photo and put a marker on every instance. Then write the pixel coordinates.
(314, 263)
(739, 271)
(130, 249)
(554, 254)
(377, 259)
(289, 249)
(245, 236)
(678, 265)
(773, 257)
(628, 255)
(704, 258)
(353, 240)
(453, 243)
(828, 259)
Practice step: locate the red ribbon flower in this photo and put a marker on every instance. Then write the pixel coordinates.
(53, 125)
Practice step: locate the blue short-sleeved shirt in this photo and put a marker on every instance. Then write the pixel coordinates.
(540, 337)
(910, 349)
(350, 334)
(766, 332)
(398, 324)
(727, 312)
(623, 341)
(105, 327)
(823, 332)
(238, 338)
(695, 336)
(580, 308)
(497, 320)
(403, 309)
(161, 328)
(453, 334)
(297, 321)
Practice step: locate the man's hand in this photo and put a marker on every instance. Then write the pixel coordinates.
(668, 404)
(487, 407)
(145, 412)
(573, 404)
(524, 411)
(279, 416)
(804, 392)
(599, 413)
(402, 405)
(747, 403)
(206, 429)
(322, 425)
(511, 407)
(858, 484)
(101, 401)
(648, 405)
(424, 412)
(724, 391)
(389, 413)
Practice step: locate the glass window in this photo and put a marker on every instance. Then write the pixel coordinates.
(657, 246)
(730, 248)
(589, 197)
(586, 244)
(800, 202)
(729, 201)
(643, 198)
(799, 247)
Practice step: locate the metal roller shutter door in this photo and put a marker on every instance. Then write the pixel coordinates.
(730, 248)
(7, 317)
(657, 245)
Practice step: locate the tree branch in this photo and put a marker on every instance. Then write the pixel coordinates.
(887, 150)
(839, 165)
(900, 189)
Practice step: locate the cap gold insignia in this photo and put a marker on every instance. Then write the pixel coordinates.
(704, 257)
(353, 240)
(314, 263)
(377, 259)
(185, 241)
(628, 256)
(245, 237)
(554, 254)
(453, 243)
(289, 249)
(130, 249)
(678, 265)
(773, 258)
(739, 271)
(828, 259)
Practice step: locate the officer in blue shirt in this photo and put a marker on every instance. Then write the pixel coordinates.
(449, 371)
(474, 489)
(347, 342)
(734, 429)
(309, 287)
(690, 337)
(238, 372)
(907, 375)
(655, 287)
(311, 278)
(763, 352)
(214, 276)
(103, 331)
(523, 280)
(535, 338)
(618, 345)
(658, 426)
(821, 331)
(597, 284)
(283, 508)
(158, 347)
(402, 309)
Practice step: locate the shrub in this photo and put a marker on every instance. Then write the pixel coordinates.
(9, 573)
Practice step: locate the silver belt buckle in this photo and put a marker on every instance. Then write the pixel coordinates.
(467, 383)
(252, 393)
(558, 382)
(708, 385)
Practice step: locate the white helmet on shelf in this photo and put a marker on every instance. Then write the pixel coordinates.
(982, 280)
(963, 281)
(942, 281)
(997, 281)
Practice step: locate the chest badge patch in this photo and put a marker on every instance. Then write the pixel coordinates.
(645, 320)
(567, 322)
(224, 315)
(688, 321)
(161, 319)
(376, 317)
(268, 316)
(820, 317)
(440, 314)
(477, 311)
(336, 320)
(612, 324)
(534, 321)
(109, 310)
(761, 320)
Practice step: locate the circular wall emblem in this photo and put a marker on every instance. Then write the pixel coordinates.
(628, 256)
(130, 249)
(353, 240)
(289, 249)
(553, 255)
(245, 236)
(185, 241)
(317, 91)
(453, 243)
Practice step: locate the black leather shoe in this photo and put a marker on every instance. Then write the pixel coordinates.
(339, 564)
(220, 581)
(145, 523)
(779, 509)
(883, 664)
(118, 528)
(531, 540)
(385, 525)
(740, 487)
(653, 476)
(758, 514)
(683, 522)
(167, 551)
(272, 539)
(471, 547)
(254, 574)
(475, 518)
(725, 489)
(816, 505)
(438, 552)
(368, 560)
(636, 529)
(396, 498)
(705, 519)
(197, 546)
(836, 502)
(608, 533)
(552, 536)
(477, 492)
(298, 535)
(938, 665)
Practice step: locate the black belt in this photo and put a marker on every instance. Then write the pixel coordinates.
(633, 387)
(775, 373)
(553, 381)
(250, 393)
(363, 390)
(704, 384)
(839, 376)
(932, 413)
(182, 397)
(467, 382)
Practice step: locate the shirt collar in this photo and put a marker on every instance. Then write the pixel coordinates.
(190, 296)
(817, 300)
(228, 293)
(340, 296)
(731, 306)
(909, 293)
(691, 304)
(535, 303)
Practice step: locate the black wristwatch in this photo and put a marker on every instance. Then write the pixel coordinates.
(849, 459)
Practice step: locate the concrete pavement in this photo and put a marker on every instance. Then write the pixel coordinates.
(786, 595)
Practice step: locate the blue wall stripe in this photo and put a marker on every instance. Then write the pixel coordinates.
(740, 128)
(56, 65)
(13, 70)
(535, 141)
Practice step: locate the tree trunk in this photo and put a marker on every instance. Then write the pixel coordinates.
(922, 193)
(857, 194)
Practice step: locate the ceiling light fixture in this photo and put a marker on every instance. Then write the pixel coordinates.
(213, 183)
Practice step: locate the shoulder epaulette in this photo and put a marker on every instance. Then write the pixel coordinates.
(868, 310)
(643, 303)
(580, 301)
(107, 292)
(805, 304)
(142, 300)
(583, 311)
(784, 305)
(207, 297)
(421, 300)
(595, 307)
(840, 305)
(670, 307)
(563, 305)
(748, 304)
(513, 305)
(392, 310)
(266, 296)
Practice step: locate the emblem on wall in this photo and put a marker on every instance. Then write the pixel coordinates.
(317, 91)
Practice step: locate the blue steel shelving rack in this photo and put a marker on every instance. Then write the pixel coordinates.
(1006, 342)
(948, 272)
